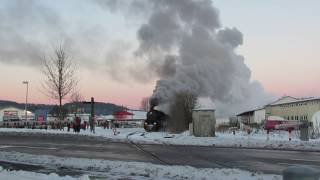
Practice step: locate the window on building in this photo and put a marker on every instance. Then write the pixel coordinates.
(292, 118)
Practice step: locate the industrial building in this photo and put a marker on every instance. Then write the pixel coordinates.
(287, 108)
(125, 118)
(12, 113)
(307, 109)
(255, 116)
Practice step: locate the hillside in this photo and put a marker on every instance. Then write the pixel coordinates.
(100, 107)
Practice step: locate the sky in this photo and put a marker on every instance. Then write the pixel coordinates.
(281, 47)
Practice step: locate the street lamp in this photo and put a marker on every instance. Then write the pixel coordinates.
(25, 107)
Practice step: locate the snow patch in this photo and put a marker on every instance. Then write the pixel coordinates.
(257, 139)
(123, 170)
(25, 175)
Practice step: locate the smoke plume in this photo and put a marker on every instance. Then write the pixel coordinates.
(19, 18)
(30, 29)
(180, 42)
(193, 53)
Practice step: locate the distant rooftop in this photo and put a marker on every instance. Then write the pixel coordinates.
(295, 100)
(204, 109)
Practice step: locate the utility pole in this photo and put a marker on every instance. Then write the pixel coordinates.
(92, 116)
(25, 107)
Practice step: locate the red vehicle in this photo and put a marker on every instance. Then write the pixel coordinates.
(271, 124)
(281, 124)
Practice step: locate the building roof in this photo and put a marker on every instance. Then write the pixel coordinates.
(251, 111)
(122, 114)
(296, 100)
(260, 108)
(204, 109)
(138, 114)
(246, 112)
(284, 99)
(132, 115)
(11, 108)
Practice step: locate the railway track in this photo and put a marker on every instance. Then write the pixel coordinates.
(161, 161)
(137, 146)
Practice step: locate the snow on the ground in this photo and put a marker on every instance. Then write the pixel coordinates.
(277, 140)
(26, 175)
(257, 139)
(126, 170)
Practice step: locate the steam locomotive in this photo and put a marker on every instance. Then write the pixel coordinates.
(156, 120)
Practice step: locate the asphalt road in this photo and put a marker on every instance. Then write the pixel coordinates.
(267, 161)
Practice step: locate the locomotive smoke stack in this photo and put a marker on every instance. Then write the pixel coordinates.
(153, 103)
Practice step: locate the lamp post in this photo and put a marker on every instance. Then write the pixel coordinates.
(25, 107)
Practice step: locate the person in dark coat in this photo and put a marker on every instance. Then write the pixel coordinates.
(85, 125)
(104, 125)
(78, 124)
(68, 126)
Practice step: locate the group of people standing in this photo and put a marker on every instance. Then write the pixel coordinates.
(76, 125)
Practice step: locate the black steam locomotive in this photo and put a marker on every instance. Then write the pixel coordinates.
(156, 120)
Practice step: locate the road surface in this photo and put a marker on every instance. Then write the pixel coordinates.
(267, 161)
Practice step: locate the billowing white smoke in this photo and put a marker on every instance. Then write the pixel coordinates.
(185, 42)
(181, 43)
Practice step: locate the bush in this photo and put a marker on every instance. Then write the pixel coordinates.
(223, 127)
(255, 126)
(181, 111)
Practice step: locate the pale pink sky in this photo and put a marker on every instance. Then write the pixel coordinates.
(102, 88)
(281, 47)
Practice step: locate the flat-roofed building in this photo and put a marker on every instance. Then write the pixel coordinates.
(12, 113)
(255, 116)
(304, 109)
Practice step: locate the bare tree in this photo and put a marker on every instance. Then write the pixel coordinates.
(181, 111)
(59, 72)
(145, 104)
(76, 101)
